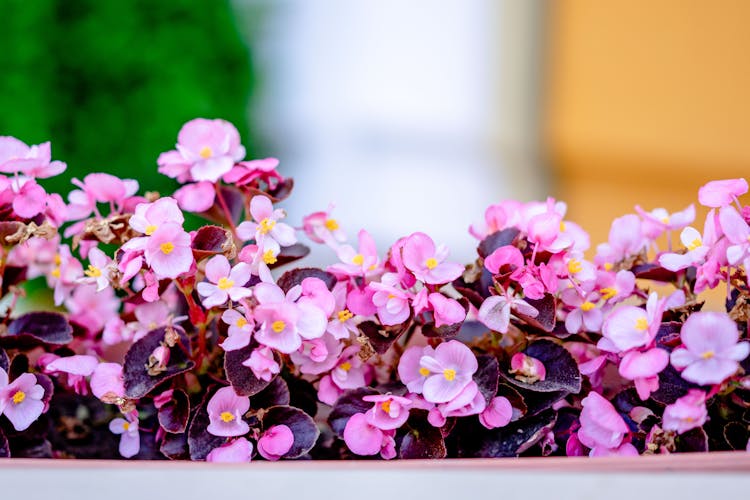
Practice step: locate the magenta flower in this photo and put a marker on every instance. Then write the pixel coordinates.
(262, 363)
(224, 283)
(238, 451)
(363, 438)
(266, 224)
(275, 442)
(168, 251)
(688, 412)
(240, 329)
(497, 414)
(427, 262)
(527, 369)
(284, 322)
(390, 412)
(495, 311)
(601, 425)
(451, 369)
(21, 400)
(225, 411)
(721, 193)
(130, 439)
(711, 351)
(446, 311)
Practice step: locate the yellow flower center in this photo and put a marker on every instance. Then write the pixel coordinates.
(386, 406)
(665, 220)
(18, 397)
(150, 230)
(562, 226)
(346, 366)
(431, 263)
(358, 259)
(206, 152)
(641, 324)
(574, 266)
(708, 355)
(225, 284)
(608, 293)
(697, 242)
(278, 326)
(345, 315)
(332, 224)
(226, 416)
(58, 259)
(608, 266)
(449, 374)
(266, 225)
(56, 272)
(241, 322)
(93, 271)
(167, 247)
(587, 306)
(424, 371)
(269, 257)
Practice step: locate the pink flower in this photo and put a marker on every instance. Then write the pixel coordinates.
(92, 309)
(421, 257)
(390, 412)
(688, 412)
(410, 372)
(148, 217)
(614, 288)
(495, 311)
(225, 282)
(721, 193)
(33, 161)
(238, 451)
(585, 314)
(643, 368)
(624, 450)
(197, 197)
(344, 322)
(364, 438)
(262, 363)
(240, 330)
(467, 402)
(601, 425)
(266, 224)
(659, 220)
(21, 400)
(246, 172)
(98, 271)
(99, 188)
(317, 356)
(391, 301)
(275, 442)
(225, 411)
(711, 351)
(107, 382)
(625, 239)
(361, 262)
(168, 251)
(696, 251)
(737, 232)
(130, 439)
(350, 372)
(629, 327)
(29, 198)
(321, 228)
(446, 311)
(527, 369)
(77, 367)
(451, 369)
(497, 414)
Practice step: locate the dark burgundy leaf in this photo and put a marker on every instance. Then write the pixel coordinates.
(46, 326)
(300, 423)
(346, 406)
(4, 447)
(562, 369)
(138, 382)
(671, 386)
(422, 440)
(47, 385)
(174, 414)
(212, 240)
(487, 376)
(516, 399)
(4, 360)
(303, 394)
(234, 201)
(241, 377)
(200, 441)
(175, 447)
(382, 337)
(695, 440)
(290, 254)
(18, 366)
(496, 240)
(654, 272)
(509, 441)
(12, 275)
(276, 394)
(736, 435)
(295, 277)
(668, 335)
(470, 292)
(545, 320)
(36, 448)
(537, 402)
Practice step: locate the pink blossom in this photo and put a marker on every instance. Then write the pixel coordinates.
(495, 311)
(614, 288)
(361, 262)
(317, 356)
(389, 412)
(64, 275)
(657, 221)
(737, 232)
(240, 329)
(92, 309)
(364, 438)
(451, 368)
(467, 402)
(107, 382)
(497, 414)
(148, 217)
(130, 439)
(225, 282)
(585, 314)
(505, 260)
(350, 372)
(711, 351)
(344, 322)
(37, 255)
(688, 412)
(196, 197)
(625, 239)
(624, 450)
(239, 450)
(275, 442)
(246, 172)
(320, 227)
(98, 271)
(721, 193)
(410, 372)
(628, 327)
(33, 161)
(77, 367)
(21, 400)
(29, 198)
(643, 368)
(391, 301)
(427, 262)
(99, 188)
(601, 425)
(543, 225)
(262, 363)
(168, 251)
(527, 368)
(315, 292)
(498, 217)
(266, 224)
(225, 411)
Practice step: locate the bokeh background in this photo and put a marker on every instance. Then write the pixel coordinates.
(407, 115)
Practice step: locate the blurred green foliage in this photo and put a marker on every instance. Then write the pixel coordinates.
(110, 82)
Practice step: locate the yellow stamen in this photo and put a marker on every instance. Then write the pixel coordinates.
(167, 247)
(269, 257)
(225, 284)
(665, 220)
(431, 263)
(240, 322)
(695, 244)
(58, 259)
(608, 266)
(126, 426)
(226, 416)
(574, 266)
(424, 371)
(449, 374)
(708, 355)
(562, 226)
(346, 366)
(345, 315)
(18, 397)
(386, 406)
(587, 306)
(266, 225)
(608, 293)
(206, 152)
(278, 326)
(332, 224)
(150, 230)
(56, 272)
(93, 272)
(641, 324)
(358, 259)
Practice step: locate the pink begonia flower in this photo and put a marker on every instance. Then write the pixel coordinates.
(197, 197)
(262, 363)
(30, 198)
(225, 411)
(206, 150)
(284, 323)
(350, 372)
(389, 412)
(625, 239)
(737, 232)
(260, 257)
(34, 161)
(56, 211)
(427, 262)
(601, 425)
(391, 301)
(363, 438)
(643, 368)
(245, 172)
(21, 400)
(628, 327)
(658, 220)
(543, 223)
(238, 451)
(320, 227)
(410, 372)
(167, 251)
(266, 224)
(98, 271)
(445, 311)
(467, 402)
(240, 330)
(163, 398)
(624, 450)
(317, 356)
(150, 316)
(711, 351)
(148, 217)
(721, 193)
(107, 382)
(451, 368)
(38, 255)
(687, 413)
(77, 367)
(316, 292)
(497, 414)
(92, 309)
(505, 260)
(225, 282)
(578, 268)
(98, 188)
(615, 287)
(275, 442)
(361, 262)
(495, 311)
(343, 324)
(496, 218)
(586, 314)
(527, 368)
(130, 438)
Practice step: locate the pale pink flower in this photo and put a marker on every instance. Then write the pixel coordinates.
(225, 282)
(350, 372)
(168, 251)
(239, 450)
(266, 224)
(658, 220)
(64, 275)
(130, 439)
(361, 262)
(497, 414)
(196, 197)
(614, 288)
(107, 382)
(585, 314)
(33, 161)
(98, 271)
(410, 372)
(643, 368)
(320, 227)
(445, 311)
(28, 197)
(389, 412)
(225, 411)
(688, 412)
(721, 193)
(148, 217)
(363, 438)
(628, 327)
(624, 450)
(451, 369)
(275, 442)
(527, 368)
(240, 329)
(92, 309)
(21, 400)
(467, 402)
(99, 188)
(343, 323)
(262, 363)
(78, 367)
(498, 217)
(601, 425)
(495, 311)
(317, 356)
(391, 301)
(625, 239)
(737, 232)
(427, 262)
(245, 172)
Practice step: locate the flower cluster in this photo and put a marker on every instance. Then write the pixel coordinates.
(162, 341)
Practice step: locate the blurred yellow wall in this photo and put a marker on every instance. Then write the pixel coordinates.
(645, 101)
